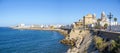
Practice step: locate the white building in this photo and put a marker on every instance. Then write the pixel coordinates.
(21, 25)
(104, 19)
(114, 28)
(114, 23)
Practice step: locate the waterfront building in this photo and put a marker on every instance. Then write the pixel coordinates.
(78, 24)
(32, 26)
(57, 26)
(21, 25)
(35, 26)
(90, 19)
(114, 23)
(66, 27)
(114, 28)
(103, 19)
(41, 26)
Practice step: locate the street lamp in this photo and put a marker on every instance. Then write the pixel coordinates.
(110, 16)
(84, 22)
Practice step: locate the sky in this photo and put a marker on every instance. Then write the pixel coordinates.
(13, 12)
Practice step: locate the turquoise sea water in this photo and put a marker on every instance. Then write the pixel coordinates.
(30, 41)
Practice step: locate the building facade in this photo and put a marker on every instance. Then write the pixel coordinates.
(90, 19)
(78, 24)
(103, 19)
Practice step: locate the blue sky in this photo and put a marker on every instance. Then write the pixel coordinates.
(14, 12)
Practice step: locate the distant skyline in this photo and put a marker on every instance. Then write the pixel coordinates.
(14, 12)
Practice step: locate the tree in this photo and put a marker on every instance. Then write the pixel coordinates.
(98, 21)
(105, 26)
(115, 20)
(98, 26)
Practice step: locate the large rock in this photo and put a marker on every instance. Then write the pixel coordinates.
(84, 40)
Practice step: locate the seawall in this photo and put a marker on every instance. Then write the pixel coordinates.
(107, 35)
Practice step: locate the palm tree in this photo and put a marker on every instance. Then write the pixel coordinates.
(98, 20)
(115, 19)
(98, 24)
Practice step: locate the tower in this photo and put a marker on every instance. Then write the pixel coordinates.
(94, 15)
(103, 16)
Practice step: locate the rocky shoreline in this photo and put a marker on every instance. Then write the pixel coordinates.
(87, 41)
(80, 41)
(76, 38)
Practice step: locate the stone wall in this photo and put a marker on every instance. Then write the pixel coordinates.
(107, 35)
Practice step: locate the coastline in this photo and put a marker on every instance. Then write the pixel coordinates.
(80, 41)
(72, 39)
(63, 32)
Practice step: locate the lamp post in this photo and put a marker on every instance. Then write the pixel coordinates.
(110, 17)
(84, 22)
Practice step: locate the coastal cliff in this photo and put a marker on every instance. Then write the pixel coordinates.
(86, 41)
(81, 41)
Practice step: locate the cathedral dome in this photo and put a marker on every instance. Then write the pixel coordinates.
(94, 15)
(103, 14)
(89, 15)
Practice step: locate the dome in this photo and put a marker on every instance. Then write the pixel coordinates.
(103, 14)
(89, 15)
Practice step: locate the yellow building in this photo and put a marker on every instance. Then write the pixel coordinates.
(78, 24)
(89, 19)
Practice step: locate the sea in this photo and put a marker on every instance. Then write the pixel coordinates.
(30, 41)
